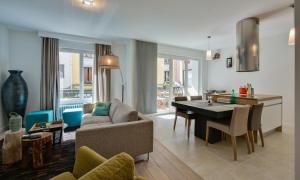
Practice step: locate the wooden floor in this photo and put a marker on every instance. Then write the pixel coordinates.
(163, 165)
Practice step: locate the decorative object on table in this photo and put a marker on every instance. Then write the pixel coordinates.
(112, 62)
(243, 91)
(229, 62)
(12, 147)
(37, 149)
(210, 101)
(233, 98)
(15, 122)
(14, 93)
(56, 128)
(250, 90)
(38, 116)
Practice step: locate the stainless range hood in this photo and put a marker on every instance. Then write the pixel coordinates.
(247, 45)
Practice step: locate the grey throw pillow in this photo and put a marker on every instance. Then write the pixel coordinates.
(124, 113)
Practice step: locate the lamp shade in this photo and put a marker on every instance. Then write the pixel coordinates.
(108, 62)
(292, 37)
(208, 55)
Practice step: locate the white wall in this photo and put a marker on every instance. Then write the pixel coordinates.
(276, 75)
(297, 88)
(25, 54)
(4, 66)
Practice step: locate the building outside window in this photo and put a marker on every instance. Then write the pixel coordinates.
(76, 76)
(176, 77)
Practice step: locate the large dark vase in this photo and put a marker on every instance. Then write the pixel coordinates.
(14, 93)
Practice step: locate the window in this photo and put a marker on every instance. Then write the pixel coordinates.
(76, 76)
(176, 77)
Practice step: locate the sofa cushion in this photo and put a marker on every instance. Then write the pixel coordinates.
(64, 176)
(90, 119)
(119, 167)
(124, 113)
(93, 126)
(101, 109)
(113, 106)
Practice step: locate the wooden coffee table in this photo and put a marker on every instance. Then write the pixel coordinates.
(37, 149)
(55, 128)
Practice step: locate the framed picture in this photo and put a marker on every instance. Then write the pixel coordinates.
(229, 62)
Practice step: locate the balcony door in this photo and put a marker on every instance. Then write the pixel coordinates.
(175, 77)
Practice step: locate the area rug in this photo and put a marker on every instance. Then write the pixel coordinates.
(62, 160)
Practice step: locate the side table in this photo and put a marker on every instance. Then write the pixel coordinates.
(12, 146)
(37, 149)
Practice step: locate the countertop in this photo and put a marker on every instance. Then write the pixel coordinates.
(258, 97)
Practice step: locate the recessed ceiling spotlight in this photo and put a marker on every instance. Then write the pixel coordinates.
(88, 2)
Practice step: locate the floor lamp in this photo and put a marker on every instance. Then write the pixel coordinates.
(111, 62)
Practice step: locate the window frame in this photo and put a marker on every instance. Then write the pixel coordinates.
(80, 100)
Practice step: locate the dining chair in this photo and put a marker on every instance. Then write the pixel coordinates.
(196, 98)
(254, 124)
(188, 115)
(238, 126)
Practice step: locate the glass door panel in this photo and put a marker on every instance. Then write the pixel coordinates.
(193, 77)
(69, 64)
(178, 78)
(163, 84)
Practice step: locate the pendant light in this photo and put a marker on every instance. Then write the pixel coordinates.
(292, 37)
(208, 51)
(291, 41)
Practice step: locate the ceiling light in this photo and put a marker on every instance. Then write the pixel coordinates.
(208, 51)
(88, 2)
(292, 37)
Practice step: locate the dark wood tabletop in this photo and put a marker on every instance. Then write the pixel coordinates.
(202, 108)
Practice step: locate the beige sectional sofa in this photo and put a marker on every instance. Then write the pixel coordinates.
(124, 130)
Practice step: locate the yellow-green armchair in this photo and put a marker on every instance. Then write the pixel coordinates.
(91, 166)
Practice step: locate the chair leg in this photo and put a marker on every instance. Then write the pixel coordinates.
(189, 127)
(233, 141)
(261, 137)
(255, 136)
(185, 122)
(207, 133)
(251, 140)
(248, 142)
(175, 120)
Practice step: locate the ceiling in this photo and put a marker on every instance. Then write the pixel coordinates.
(184, 23)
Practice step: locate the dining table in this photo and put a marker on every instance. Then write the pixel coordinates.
(204, 111)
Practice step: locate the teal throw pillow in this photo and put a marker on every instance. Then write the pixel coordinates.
(101, 109)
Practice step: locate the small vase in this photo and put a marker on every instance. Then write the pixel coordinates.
(14, 94)
(15, 122)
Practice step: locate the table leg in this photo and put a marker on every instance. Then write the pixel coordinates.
(37, 155)
(49, 150)
(24, 156)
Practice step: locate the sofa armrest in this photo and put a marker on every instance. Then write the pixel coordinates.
(86, 160)
(134, 138)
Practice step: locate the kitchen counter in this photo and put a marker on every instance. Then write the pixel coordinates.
(272, 111)
(257, 97)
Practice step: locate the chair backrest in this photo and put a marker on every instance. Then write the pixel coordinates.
(239, 120)
(254, 121)
(181, 98)
(196, 98)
